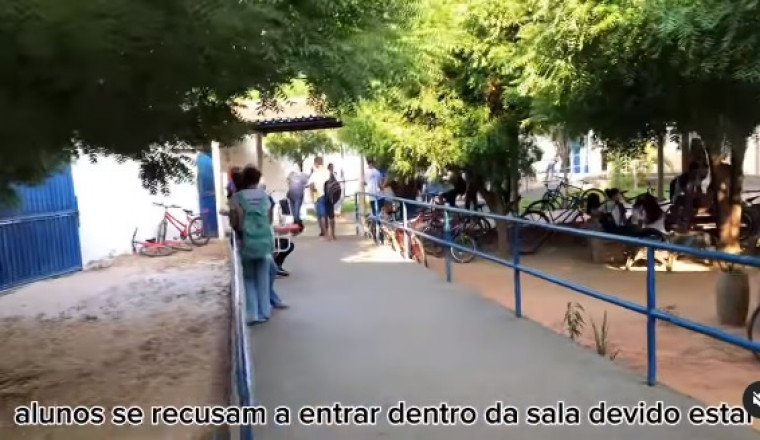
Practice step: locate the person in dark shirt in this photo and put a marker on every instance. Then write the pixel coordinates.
(459, 187)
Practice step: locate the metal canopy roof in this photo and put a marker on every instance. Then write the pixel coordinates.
(281, 125)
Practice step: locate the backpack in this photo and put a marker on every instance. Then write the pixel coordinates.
(333, 192)
(258, 238)
(673, 188)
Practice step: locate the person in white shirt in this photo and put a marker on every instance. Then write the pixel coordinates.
(297, 182)
(648, 214)
(648, 219)
(374, 180)
(325, 214)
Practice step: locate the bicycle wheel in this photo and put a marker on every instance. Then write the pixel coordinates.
(753, 330)
(431, 247)
(418, 250)
(133, 243)
(156, 251)
(369, 229)
(543, 205)
(485, 225)
(197, 232)
(588, 192)
(532, 237)
(459, 255)
(399, 235)
(178, 245)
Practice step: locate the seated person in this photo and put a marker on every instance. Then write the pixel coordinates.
(289, 246)
(594, 209)
(648, 214)
(614, 220)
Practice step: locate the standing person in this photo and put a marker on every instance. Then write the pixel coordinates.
(251, 214)
(232, 184)
(235, 182)
(551, 168)
(317, 182)
(473, 183)
(459, 187)
(340, 176)
(333, 195)
(685, 193)
(374, 181)
(296, 187)
(335, 191)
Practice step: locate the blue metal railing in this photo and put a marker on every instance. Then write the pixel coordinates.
(651, 311)
(241, 374)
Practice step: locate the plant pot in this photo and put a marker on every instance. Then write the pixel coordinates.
(732, 297)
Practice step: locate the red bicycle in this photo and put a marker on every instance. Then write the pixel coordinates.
(150, 247)
(191, 228)
(416, 250)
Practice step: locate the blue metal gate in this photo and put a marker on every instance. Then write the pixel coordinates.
(207, 194)
(578, 157)
(40, 237)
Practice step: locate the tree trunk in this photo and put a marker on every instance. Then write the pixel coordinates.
(300, 166)
(731, 224)
(496, 204)
(725, 187)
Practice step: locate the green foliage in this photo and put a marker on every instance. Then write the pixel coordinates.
(461, 109)
(299, 146)
(122, 77)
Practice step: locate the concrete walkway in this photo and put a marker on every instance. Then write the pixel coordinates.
(365, 328)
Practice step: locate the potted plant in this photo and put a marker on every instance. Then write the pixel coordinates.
(732, 294)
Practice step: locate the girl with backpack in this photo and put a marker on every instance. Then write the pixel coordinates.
(251, 215)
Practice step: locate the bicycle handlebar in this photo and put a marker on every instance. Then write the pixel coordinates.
(165, 205)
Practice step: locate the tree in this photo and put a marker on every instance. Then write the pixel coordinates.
(628, 70)
(463, 110)
(712, 46)
(299, 146)
(128, 77)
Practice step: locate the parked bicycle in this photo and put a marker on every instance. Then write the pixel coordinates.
(191, 228)
(394, 236)
(150, 247)
(560, 196)
(650, 190)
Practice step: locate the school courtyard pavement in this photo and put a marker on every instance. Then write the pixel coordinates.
(366, 328)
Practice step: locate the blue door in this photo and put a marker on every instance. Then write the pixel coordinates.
(578, 157)
(39, 237)
(207, 194)
(575, 157)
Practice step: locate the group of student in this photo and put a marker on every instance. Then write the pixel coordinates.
(327, 194)
(251, 217)
(647, 216)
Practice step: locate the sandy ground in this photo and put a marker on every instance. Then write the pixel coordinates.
(698, 366)
(141, 332)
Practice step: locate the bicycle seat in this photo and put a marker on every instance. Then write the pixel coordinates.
(188, 211)
(585, 182)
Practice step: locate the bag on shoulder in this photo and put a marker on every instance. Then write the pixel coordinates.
(333, 191)
(258, 238)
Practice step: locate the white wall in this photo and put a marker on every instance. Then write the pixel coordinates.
(112, 203)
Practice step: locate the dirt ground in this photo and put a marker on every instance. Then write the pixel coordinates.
(704, 368)
(142, 332)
